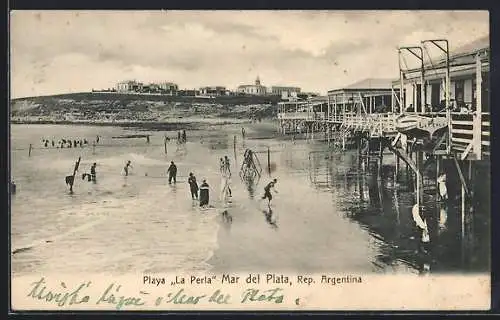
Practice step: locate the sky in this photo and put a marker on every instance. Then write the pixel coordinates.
(56, 52)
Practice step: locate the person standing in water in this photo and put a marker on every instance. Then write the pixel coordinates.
(204, 194)
(227, 165)
(92, 172)
(267, 190)
(222, 165)
(193, 186)
(128, 165)
(172, 173)
(243, 133)
(227, 175)
(184, 138)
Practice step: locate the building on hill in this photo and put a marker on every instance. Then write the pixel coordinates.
(282, 91)
(129, 86)
(213, 91)
(168, 88)
(256, 89)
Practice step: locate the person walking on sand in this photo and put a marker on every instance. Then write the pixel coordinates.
(128, 165)
(267, 190)
(204, 194)
(172, 173)
(193, 186)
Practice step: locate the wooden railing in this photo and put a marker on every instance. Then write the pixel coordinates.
(462, 132)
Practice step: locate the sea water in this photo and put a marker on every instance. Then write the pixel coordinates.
(331, 213)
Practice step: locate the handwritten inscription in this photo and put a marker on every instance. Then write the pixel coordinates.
(252, 295)
(61, 296)
(119, 301)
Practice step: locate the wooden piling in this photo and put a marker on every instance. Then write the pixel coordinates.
(418, 184)
(234, 148)
(165, 146)
(29, 152)
(269, 160)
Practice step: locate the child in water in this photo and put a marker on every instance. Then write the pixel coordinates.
(125, 169)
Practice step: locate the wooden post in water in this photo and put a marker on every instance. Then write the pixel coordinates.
(420, 162)
(269, 160)
(437, 176)
(418, 184)
(165, 146)
(29, 152)
(463, 210)
(234, 148)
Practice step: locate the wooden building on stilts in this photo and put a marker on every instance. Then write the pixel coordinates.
(434, 118)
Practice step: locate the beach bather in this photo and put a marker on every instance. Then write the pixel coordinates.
(267, 190)
(193, 186)
(204, 194)
(172, 172)
(128, 165)
(92, 172)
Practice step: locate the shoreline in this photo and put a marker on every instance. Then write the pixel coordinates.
(192, 124)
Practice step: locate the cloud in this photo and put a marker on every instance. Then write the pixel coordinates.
(61, 51)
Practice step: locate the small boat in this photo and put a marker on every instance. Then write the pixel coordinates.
(420, 126)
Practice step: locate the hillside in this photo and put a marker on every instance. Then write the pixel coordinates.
(130, 107)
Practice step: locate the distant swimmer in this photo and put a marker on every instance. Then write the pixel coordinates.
(128, 165)
(172, 172)
(267, 190)
(204, 194)
(193, 186)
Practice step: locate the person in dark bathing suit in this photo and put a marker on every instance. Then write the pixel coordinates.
(204, 194)
(172, 172)
(267, 190)
(193, 186)
(126, 167)
(92, 172)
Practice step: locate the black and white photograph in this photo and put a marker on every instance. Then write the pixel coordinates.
(263, 152)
